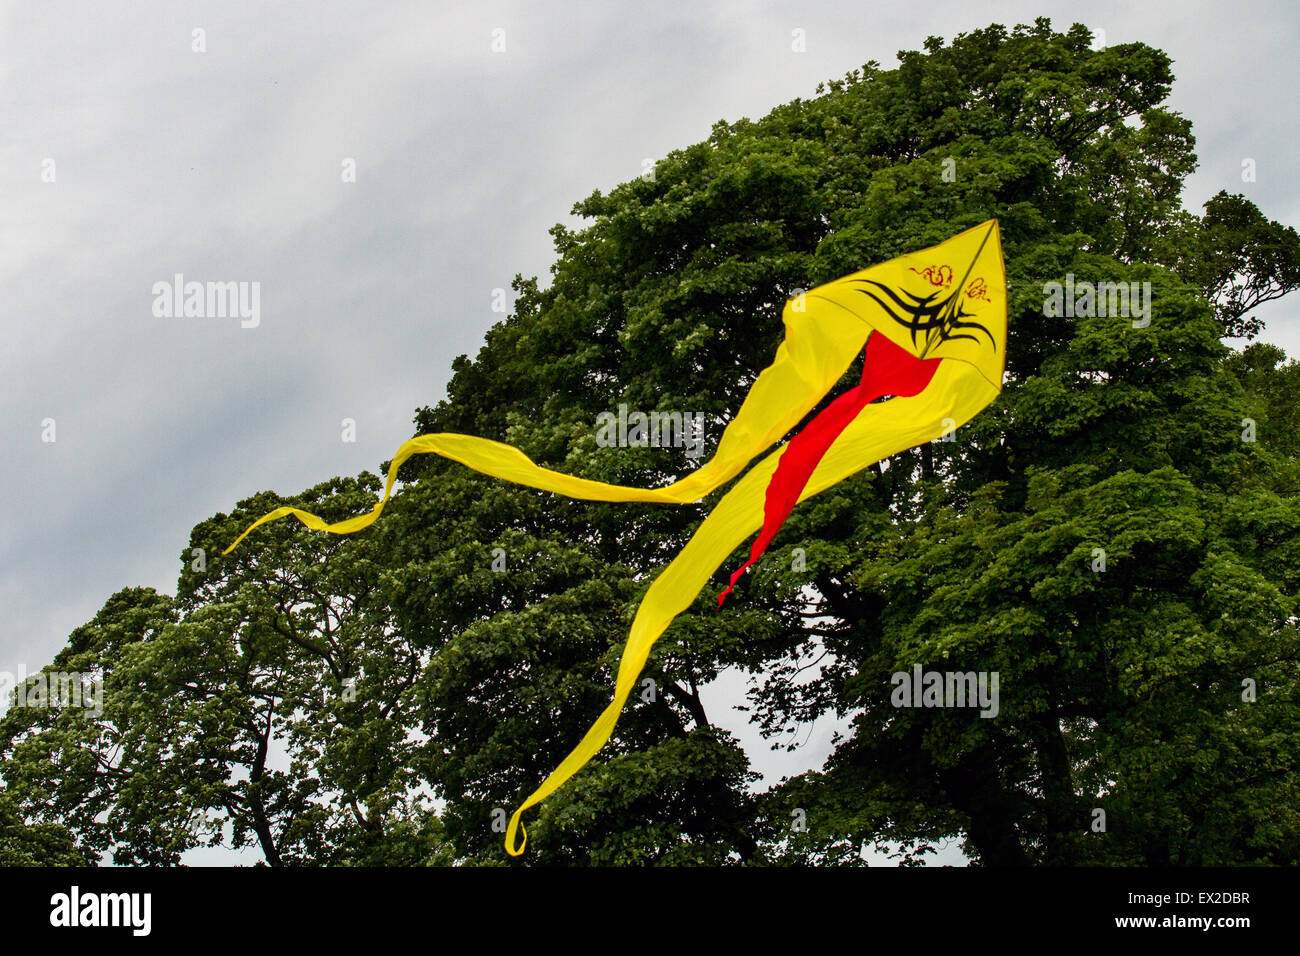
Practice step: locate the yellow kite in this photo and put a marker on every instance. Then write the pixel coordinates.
(932, 326)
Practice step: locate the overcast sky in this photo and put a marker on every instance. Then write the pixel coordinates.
(227, 164)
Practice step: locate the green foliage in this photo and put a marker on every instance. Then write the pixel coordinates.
(45, 844)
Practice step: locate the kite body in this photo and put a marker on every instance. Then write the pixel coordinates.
(932, 326)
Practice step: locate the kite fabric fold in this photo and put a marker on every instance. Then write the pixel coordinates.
(933, 342)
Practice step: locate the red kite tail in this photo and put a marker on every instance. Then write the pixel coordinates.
(887, 369)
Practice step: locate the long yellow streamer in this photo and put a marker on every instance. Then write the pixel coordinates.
(947, 302)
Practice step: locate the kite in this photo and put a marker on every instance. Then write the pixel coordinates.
(933, 344)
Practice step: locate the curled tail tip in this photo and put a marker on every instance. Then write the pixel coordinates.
(510, 836)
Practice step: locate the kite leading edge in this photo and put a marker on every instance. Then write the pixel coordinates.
(933, 342)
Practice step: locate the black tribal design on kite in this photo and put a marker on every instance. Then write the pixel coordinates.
(939, 321)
